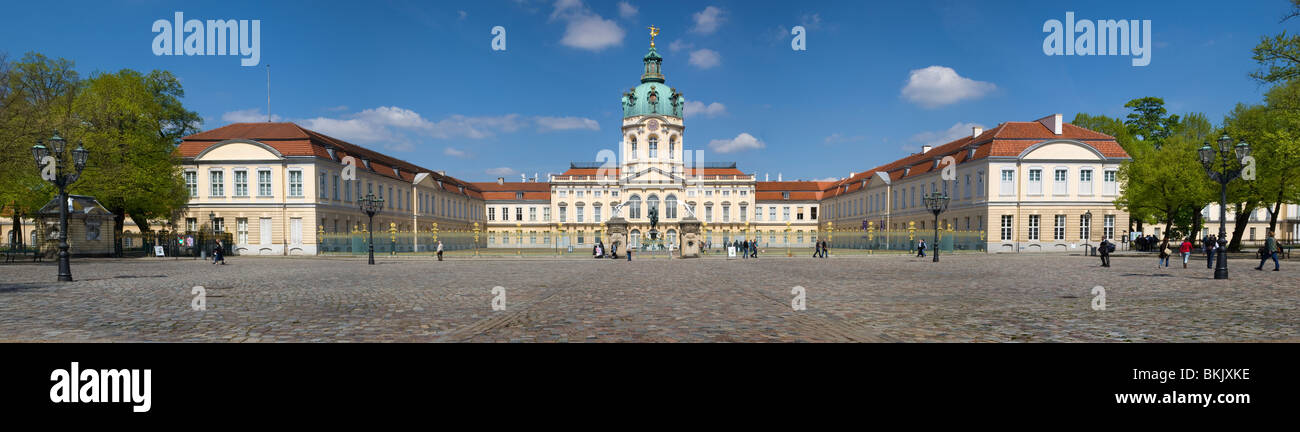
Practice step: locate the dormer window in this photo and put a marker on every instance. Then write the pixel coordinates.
(330, 150)
(906, 171)
(785, 195)
(970, 154)
(366, 162)
(519, 196)
(936, 163)
(397, 172)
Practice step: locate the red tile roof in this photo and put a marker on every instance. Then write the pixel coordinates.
(1006, 140)
(799, 190)
(292, 140)
(509, 191)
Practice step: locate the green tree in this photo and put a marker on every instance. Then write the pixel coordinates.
(1167, 184)
(1251, 124)
(131, 123)
(1279, 56)
(1148, 121)
(36, 96)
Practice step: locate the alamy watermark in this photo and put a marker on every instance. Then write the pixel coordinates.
(1102, 37)
(211, 37)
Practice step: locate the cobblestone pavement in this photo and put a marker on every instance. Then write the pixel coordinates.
(965, 298)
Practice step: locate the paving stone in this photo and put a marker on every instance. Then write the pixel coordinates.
(965, 298)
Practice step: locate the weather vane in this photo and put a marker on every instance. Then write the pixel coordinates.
(654, 31)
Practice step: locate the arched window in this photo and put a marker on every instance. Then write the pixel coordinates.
(654, 146)
(634, 240)
(672, 147)
(670, 207)
(632, 141)
(653, 203)
(672, 237)
(634, 207)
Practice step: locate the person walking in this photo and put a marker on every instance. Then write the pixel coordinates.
(1211, 245)
(753, 251)
(744, 249)
(439, 250)
(1105, 249)
(1270, 250)
(629, 254)
(1186, 250)
(920, 249)
(1165, 253)
(219, 253)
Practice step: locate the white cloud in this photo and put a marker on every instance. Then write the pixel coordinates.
(546, 124)
(251, 115)
(626, 10)
(714, 109)
(937, 138)
(337, 108)
(502, 171)
(585, 29)
(936, 86)
(705, 58)
(454, 152)
(679, 45)
(836, 138)
(741, 142)
(811, 21)
(826, 179)
(707, 20)
(398, 128)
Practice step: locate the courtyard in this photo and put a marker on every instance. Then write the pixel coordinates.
(881, 298)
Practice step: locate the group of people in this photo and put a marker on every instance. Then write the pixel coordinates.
(819, 249)
(746, 249)
(1210, 246)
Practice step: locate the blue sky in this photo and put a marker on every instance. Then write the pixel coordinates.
(419, 80)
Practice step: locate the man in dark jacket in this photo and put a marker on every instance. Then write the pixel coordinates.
(1105, 248)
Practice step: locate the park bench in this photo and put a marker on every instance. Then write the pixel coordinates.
(12, 255)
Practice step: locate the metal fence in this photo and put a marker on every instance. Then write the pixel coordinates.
(357, 243)
(901, 240)
(187, 244)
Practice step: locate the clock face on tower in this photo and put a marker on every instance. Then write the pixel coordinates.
(653, 125)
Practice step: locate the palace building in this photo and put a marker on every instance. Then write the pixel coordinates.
(1041, 185)
(654, 173)
(1021, 186)
(275, 186)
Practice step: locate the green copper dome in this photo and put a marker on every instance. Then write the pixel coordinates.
(652, 97)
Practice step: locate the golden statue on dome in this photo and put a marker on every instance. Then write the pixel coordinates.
(654, 31)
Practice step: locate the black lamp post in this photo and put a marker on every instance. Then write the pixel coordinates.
(55, 155)
(1087, 235)
(212, 229)
(1229, 156)
(937, 203)
(371, 205)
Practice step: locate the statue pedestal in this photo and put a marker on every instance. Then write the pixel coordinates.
(617, 236)
(690, 241)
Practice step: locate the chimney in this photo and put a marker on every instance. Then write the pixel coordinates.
(767, 176)
(442, 173)
(778, 176)
(926, 149)
(976, 131)
(1052, 122)
(501, 180)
